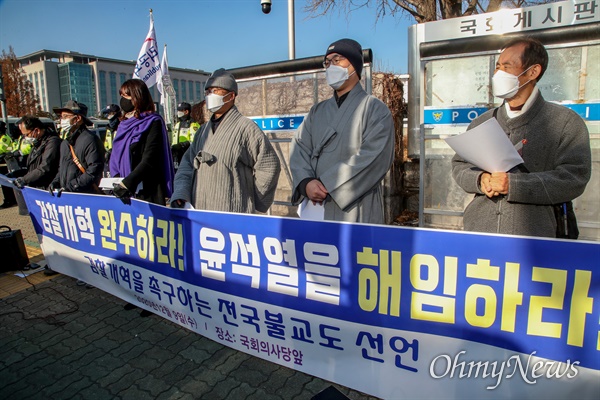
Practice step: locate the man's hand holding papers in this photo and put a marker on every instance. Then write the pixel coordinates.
(494, 184)
(488, 147)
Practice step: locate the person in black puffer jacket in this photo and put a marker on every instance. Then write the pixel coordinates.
(43, 161)
(81, 153)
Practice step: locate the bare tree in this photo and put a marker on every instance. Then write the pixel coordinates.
(420, 10)
(20, 97)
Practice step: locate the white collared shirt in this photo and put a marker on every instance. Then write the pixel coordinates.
(526, 106)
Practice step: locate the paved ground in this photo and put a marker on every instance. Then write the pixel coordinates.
(63, 341)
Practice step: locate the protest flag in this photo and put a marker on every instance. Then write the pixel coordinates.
(148, 65)
(164, 70)
(167, 92)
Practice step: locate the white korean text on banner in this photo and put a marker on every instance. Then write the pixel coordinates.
(390, 311)
(147, 67)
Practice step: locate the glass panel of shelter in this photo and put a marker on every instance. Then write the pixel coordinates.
(454, 83)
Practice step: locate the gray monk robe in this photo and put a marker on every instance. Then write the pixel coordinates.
(234, 169)
(349, 149)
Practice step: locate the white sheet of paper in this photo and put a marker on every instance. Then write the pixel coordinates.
(487, 146)
(188, 206)
(5, 181)
(107, 183)
(308, 210)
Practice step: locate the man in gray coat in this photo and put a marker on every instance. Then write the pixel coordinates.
(345, 146)
(556, 155)
(231, 165)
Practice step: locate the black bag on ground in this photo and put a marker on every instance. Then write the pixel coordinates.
(566, 222)
(12, 250)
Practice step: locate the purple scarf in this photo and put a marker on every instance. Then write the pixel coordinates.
(130, 131)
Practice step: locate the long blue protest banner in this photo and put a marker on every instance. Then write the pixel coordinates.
(394, 312)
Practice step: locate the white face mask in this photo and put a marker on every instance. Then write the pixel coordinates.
(336, 76)
(214, 102)
(505, 85)
(65, 125)
(180, 114)
(29, 140)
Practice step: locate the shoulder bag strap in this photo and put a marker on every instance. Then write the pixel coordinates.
(76, 160)
(78, 163)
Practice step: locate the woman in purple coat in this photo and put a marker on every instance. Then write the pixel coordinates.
(141, 154)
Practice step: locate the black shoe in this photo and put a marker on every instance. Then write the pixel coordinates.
(49, 272)
(8, 204)
(129, 306)
(31, 266)
(145, 313)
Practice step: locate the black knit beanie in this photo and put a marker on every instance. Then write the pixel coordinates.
(350, 49)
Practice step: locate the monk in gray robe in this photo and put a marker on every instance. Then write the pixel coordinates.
(345, 145)
(231, 165)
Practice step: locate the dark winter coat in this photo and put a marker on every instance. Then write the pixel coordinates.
(556, 169)
(43, 161)
(146, 168)
(90, 152)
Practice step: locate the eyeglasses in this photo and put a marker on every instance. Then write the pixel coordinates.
(333, 60)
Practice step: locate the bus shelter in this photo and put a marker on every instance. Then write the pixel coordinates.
(451, 63)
